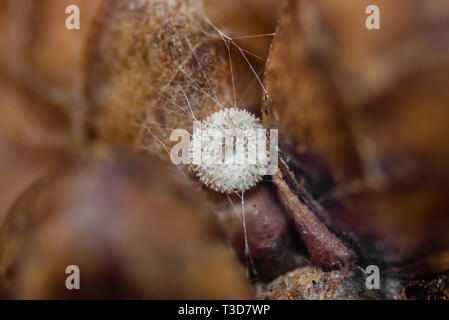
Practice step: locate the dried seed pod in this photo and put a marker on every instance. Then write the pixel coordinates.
(363, 114)
(153, 67)
(129, 224)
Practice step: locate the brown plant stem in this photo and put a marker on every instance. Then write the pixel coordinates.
(325, 249)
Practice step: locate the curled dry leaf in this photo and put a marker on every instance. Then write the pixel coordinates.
(364, 122)
(129, 236)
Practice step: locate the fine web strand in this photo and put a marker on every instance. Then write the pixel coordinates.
(188, 103)
(167, 149)
(255, 36)
(234, 208)
(201, 67)
(252, 271)
(213, 36)
(155, 124)
(231, 69)
(201, 90)
(192, 50)
(232, 74)
(242, 51)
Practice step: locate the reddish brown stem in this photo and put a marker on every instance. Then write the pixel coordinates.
(326, 250)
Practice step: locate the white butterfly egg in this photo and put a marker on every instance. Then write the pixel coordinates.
(222, 171)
